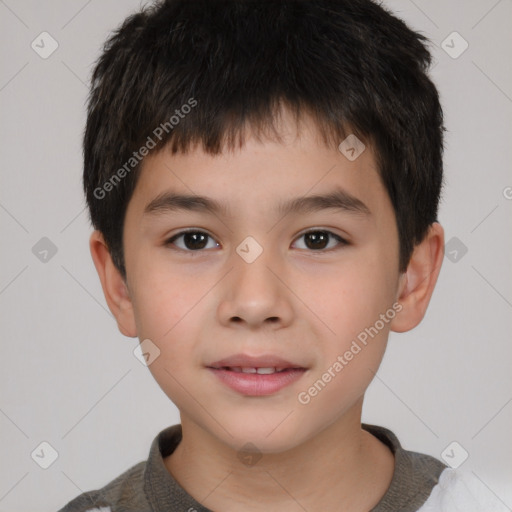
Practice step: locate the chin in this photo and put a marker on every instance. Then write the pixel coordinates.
(268, 435)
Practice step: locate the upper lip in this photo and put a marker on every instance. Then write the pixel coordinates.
(246, 361)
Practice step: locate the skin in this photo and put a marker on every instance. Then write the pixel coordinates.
(304, 304)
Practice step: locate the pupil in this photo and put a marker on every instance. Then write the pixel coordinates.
(193, 240)
(318, 240)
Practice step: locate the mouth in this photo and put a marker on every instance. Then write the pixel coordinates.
(258, 370)
(256, 376)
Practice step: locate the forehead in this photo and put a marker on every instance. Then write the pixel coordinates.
(263, 174)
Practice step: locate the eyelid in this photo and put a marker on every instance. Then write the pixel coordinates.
(315, 229)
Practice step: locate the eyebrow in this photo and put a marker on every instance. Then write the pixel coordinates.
(338, 199)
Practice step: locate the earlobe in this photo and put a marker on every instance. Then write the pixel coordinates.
(417, 283)
(113, 285)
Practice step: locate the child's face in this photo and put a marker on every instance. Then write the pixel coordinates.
(304, 299)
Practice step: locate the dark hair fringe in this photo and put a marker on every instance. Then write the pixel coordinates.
(349, 65)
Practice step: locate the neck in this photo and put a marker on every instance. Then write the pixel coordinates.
(343, 464)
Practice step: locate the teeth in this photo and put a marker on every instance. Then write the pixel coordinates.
(260, 371)
(265, 371)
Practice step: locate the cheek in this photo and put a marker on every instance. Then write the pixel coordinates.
(351, 356)
(353, 298)
(162, 304)
(168, 312)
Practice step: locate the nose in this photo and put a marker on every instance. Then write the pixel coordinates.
(254, 295)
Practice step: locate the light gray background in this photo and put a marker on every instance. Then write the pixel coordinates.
(70, 378)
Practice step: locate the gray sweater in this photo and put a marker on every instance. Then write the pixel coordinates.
(149, 487)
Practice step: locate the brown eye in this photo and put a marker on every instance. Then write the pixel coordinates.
(319, 240)
(192, 241)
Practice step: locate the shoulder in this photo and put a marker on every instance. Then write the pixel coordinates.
(123, 494)
(141, 486)
(415, 475)
(461, 492)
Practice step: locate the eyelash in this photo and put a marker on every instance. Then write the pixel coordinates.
(341, 241)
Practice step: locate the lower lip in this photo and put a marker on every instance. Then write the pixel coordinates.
(255, 384)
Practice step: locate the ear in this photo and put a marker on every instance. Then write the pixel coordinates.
(114, 286)
(418, 281)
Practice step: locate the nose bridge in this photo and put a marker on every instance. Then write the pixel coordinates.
(253, 293)
(252, 275)
(252, 262)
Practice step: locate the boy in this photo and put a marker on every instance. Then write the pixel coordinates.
(263, 179)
